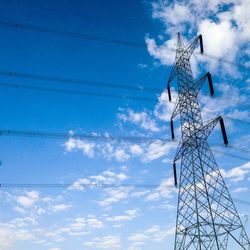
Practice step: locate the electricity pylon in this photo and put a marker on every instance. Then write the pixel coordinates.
(206, 218)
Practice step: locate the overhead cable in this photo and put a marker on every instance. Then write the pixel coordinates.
(75, 92)
(60, 135)
(89, 37)
(136, 87)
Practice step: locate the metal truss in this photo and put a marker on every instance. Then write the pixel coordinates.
(206, 217)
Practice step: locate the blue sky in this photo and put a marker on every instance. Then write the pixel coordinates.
(115, 218)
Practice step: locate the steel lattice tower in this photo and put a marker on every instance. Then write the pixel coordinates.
(206, 218)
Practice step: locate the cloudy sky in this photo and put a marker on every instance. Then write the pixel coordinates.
(142, 214)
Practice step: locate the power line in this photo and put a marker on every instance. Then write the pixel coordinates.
(98, 186)
(242, 201)
(40, 7)
(226, 61)
(89, 37)
(246, 150)
(59, 135)
(94, 18)
(75, 92)
(224, 115)
(235, 119)
(229, 117)
(82, 36)
(12, 74)
(91, 185)
(231, 155)
(231, 146)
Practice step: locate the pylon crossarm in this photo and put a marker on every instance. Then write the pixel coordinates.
(210, 125)
(198, 84)
(191, 46)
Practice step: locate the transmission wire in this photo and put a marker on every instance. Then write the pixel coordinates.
(93, 38)
(12, 74)
(74, 92)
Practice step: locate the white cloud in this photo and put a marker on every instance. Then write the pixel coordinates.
(138, 237)
(121, 155)
(238, 173)
(139, 194)
(115, 151)
(220, 41)
(136, 149)
(61, 207)
(157, 149)
(109, 177)
(224, 31)
(78, 224)
(242, 18)
(106, 177)
(221, 106)
(94, 223)
(33, 203)
(79, 184)
(165, 53)
(75, 227)
(240, 190)
(142, 119)
(114, 195)
(127, 216)
(86, 147)
(175, 14)
(105, 242)
(29, 199)
(164, 109)
(165, 190)
(124, 168)
(154, 233)
(16, 231)
(25, 201)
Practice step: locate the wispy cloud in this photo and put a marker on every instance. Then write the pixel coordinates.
(105, 242)
(238, 173)
(127, 216)
(106, 177)
(78, 144)
(224, 32)
(154, 233)
(141, 119)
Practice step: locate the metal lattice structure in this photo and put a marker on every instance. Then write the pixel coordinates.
(206, 217)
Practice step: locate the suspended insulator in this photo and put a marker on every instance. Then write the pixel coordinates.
(169, 93)
(172, 128)
(210, 82)
(201, 44)
(175, 174)
(223, 130)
